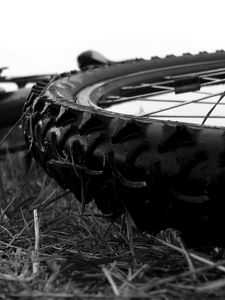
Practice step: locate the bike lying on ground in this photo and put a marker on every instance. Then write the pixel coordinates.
(103, 134)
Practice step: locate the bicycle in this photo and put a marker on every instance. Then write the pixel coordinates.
(166, 173)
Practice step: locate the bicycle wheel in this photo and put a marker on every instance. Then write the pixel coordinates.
(167, 173)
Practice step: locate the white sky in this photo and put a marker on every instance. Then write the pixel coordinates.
(47, 35)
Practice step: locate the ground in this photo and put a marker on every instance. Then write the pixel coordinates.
(49, 249)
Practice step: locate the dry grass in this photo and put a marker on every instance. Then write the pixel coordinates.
(49, 250)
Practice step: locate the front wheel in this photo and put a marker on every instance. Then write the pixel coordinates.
(104, 135)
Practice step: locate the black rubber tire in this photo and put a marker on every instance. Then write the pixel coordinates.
(167, 174)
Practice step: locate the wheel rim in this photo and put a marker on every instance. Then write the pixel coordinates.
(191, 97)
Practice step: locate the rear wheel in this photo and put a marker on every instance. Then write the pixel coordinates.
(13, 93)
(166, 172)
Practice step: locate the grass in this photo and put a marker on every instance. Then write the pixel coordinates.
(50, 250)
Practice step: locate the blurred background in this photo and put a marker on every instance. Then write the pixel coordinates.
(47, 35)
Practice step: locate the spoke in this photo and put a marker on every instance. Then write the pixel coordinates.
(111, 97)
(189, 116)
(162, 87)
(134, 87)
(144, 85)
(181, 104)
(212, 109)
(125, 99)
(204, 93)
(213, 82)
(177, 101)
(210, 78)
